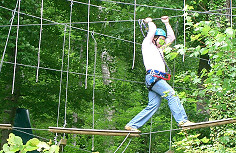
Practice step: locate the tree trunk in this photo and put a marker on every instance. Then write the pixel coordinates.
(105, 68)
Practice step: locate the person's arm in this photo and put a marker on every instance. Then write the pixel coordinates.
(170, 33)
(151, 30)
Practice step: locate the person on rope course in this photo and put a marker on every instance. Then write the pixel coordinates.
(152, 51)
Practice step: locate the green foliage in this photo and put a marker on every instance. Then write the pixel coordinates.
(117, 102)
(15, 144)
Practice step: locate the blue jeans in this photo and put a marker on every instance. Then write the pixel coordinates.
(161, 89)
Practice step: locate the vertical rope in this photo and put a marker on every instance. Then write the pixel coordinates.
(40, 37)
(134, 33)
(127, 145)
(68, 63)
(94, 71)
(17, 35)
(122, 142)
(184, 28)
(62, 63)
(9, 32)
(173, 86)
(86, 76)
(150, 137)
(231, 14)
(171, 116)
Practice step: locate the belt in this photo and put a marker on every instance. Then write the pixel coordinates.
(159, 74)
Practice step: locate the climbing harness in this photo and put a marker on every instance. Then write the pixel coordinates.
(158, 74)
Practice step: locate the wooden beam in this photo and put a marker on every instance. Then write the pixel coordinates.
(94, 131)
(208, 123)
(5, 126)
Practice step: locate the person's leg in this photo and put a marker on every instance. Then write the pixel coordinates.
(146, 114)
(166, 91)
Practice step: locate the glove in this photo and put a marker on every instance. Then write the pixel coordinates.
(165, 19)
(147, 20)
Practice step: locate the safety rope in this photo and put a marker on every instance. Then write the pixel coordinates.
(127, 145)
(173, 86)
(94, 72)
(134, 34)
(231, 14)
(68, 63)
(40, 38)
(86, 76)
(150, 137)
(9, 32)
(122, 143)
(184, 27)
(59, 97)
(16, 51)
(142, 25)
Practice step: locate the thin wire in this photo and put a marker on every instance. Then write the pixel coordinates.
(31, 134)
(173, 86)
(184, 28)
(62, 64)
(40, 37)
(17, 34)
(127, 145)
(94, 72)
(134, 34)
(86, 76)
(231, 14)
(160, 131)
(77, 73)
(96, 32)
(122, 142)
(110, 21)
(206, 12)
(99, 7)
(9, 32)
(150, 137)
(68, 64)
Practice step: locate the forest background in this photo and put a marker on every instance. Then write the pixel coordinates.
(81, 72)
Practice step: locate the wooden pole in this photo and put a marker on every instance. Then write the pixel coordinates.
(5, 126)
(209, 123)
(94, 131)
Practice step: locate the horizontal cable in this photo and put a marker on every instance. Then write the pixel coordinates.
(161, 131)
(73, 72)
(81, 29)
(206, 12)
(99, 7)
(29, 15)
(84, 22)
(89, 75)
(17, 129)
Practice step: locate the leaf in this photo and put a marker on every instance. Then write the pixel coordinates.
(54, 148)
(33, 142)
(205, 30)
(173, 55)
(6, 147)
(204, 51)
(230, 32)
(205, 140)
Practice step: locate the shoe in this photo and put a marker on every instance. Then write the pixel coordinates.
(182, 123)
(129, 128)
